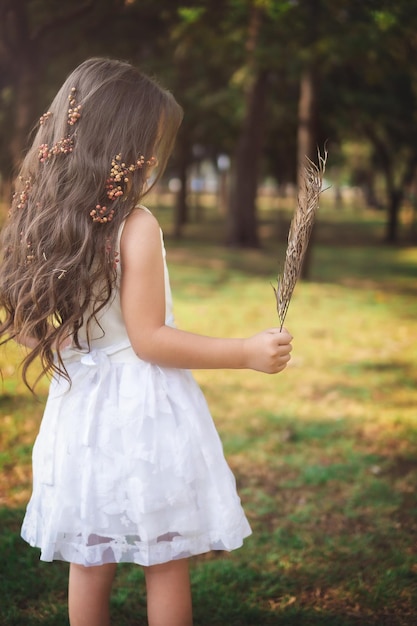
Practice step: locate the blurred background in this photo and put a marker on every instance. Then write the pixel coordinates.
(262, 82)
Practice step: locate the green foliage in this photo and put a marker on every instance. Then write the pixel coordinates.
(363, 54)
(191, 15)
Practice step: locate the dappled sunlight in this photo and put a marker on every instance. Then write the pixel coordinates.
(324, 453)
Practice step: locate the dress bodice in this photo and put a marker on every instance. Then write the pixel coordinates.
(109, 328)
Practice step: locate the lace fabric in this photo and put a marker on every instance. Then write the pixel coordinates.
(131, 469)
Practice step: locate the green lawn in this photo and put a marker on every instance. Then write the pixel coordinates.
(324, 454)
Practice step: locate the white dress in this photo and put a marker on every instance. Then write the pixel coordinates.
(128, 465)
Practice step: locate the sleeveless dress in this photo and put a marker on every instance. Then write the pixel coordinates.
(128, 465)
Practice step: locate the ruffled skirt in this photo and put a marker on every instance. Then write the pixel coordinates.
(128, 467)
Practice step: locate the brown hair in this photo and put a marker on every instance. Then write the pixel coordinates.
(57, 263)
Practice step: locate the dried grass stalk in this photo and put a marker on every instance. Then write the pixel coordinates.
(300, 231)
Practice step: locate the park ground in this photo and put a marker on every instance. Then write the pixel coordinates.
(324, 454)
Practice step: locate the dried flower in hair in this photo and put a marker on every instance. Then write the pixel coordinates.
(45, 117)
(23, 195)
(112, 255)
(115, 184)
(66, 144)
(102, 214)
(44, 153)
(119, 175)
(74, 110)
(63, 146)
(28, 249)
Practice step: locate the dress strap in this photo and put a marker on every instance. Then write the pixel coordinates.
(141, 206)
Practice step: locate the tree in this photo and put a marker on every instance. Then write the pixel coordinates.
(242, 215)
(261, 41)
(225, 55)
(307, 136)
(23, 33)
(392, 104)
(238, 68)
(37, 46)
(374, 92)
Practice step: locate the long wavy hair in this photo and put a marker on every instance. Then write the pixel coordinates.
(58, 264)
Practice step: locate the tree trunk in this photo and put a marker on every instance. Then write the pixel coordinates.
(21, 48)
(26, 87)
(394, 203)
(242, 221)
(395, 193)
(181, 205)
(20, 58)
(395, 190)
(307, 119)
(243, 227)
(307, 139)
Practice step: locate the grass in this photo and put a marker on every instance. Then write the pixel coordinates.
(324, 454)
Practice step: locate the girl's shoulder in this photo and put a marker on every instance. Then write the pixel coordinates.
(139, 231)
(140, 218)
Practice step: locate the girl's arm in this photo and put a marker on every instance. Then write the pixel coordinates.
(143, 307)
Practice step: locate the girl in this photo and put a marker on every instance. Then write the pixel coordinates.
(127, 466)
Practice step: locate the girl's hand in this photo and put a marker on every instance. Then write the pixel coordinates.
(268, 351)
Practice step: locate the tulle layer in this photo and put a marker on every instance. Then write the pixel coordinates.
(128, 467)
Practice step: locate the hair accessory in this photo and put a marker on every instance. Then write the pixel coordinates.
(112, 256)
(65, 145)
(119, 175)
(102, 214)
(43, 118)
(27, 244)
(115, 184)
(74, 111)
(23, 196)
